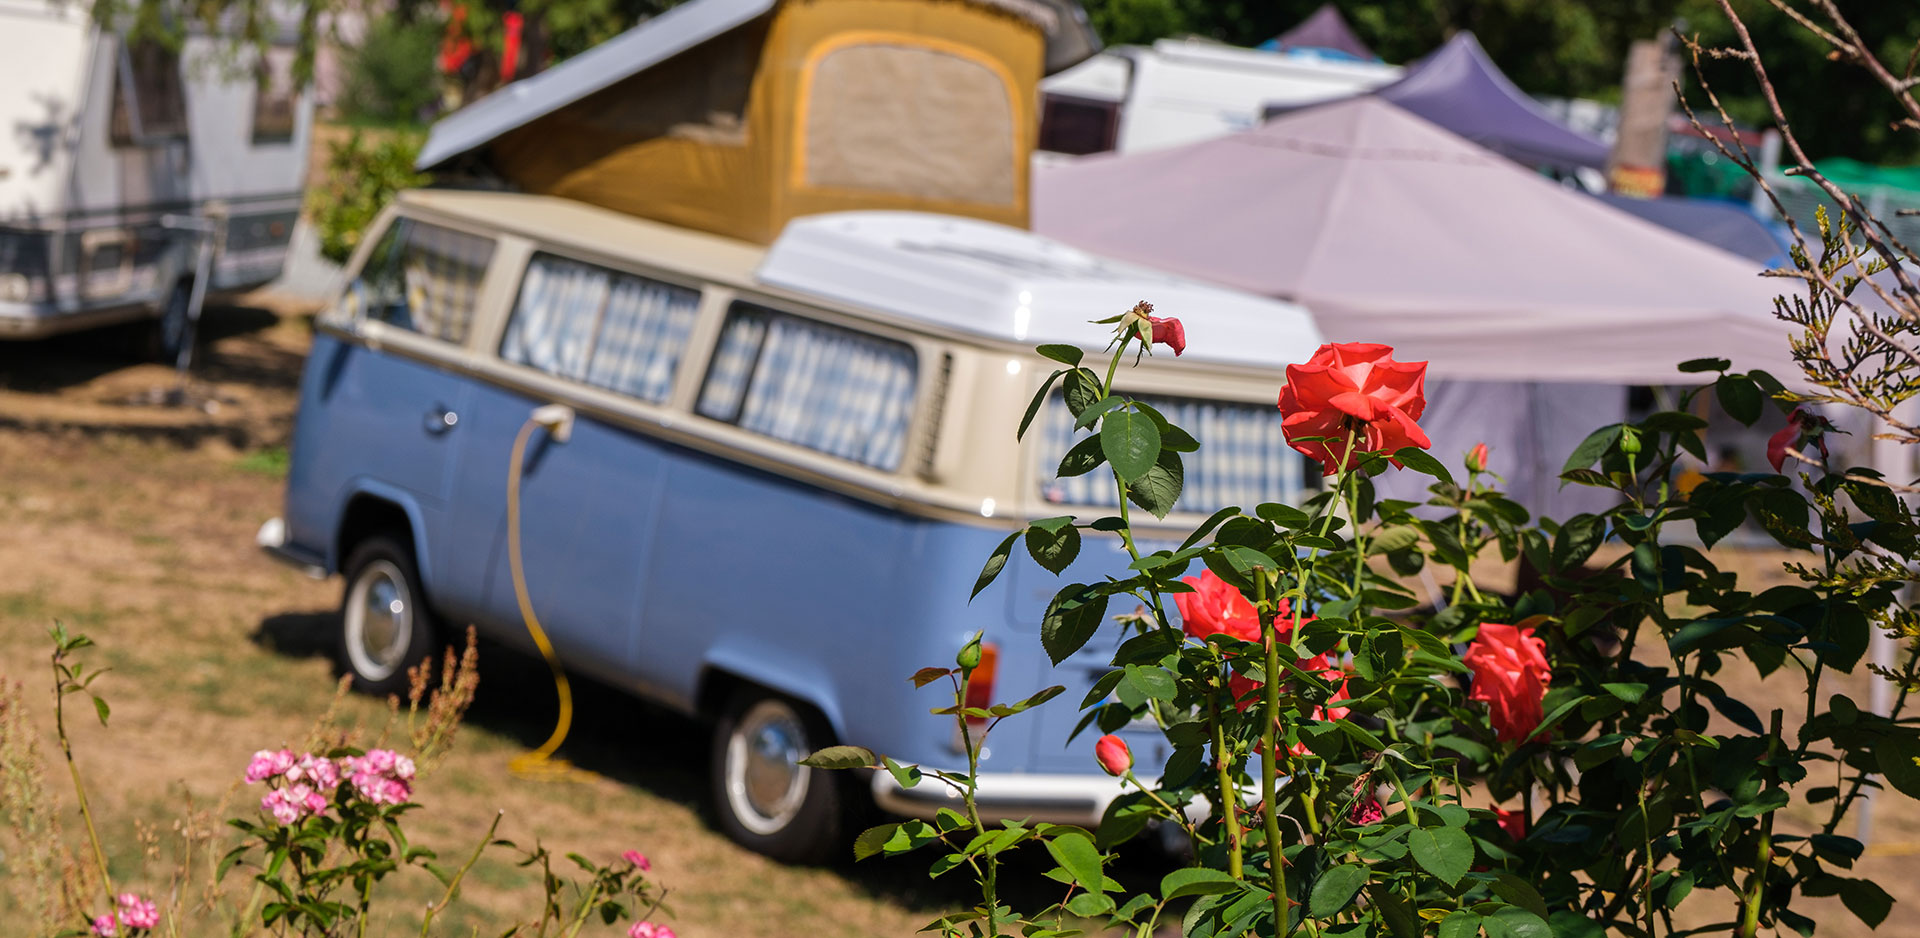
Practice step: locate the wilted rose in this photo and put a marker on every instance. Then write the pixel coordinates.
(1802, 429)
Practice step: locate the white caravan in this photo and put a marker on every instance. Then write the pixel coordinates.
(1182, 90)
(119, 155)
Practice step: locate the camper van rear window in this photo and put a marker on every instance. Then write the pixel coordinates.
(149, 96)
(1243, 459)
(424, 278)
(608, 329)
(841, 392)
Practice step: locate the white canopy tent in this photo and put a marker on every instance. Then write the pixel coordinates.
(1535, 305)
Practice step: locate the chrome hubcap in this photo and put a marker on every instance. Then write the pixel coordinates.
(765, 783)
(379, 621)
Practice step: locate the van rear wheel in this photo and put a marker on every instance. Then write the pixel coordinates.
(385, 626)
(764, 800)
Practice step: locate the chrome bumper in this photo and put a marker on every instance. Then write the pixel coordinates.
(272, 538)
(1058, 799)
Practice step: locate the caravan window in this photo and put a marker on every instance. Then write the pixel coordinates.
(906, 120)
(612, 330)
(830, 389)
(1077, 126)
(424, 278)
(149, 98)
(274, 96)
(1243, 457)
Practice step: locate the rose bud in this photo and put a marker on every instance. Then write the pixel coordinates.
(1113, 755)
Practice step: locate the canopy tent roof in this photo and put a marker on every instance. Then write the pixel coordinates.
(1729, 226)
(1069, 40)
(1325, 29)
(1390, 229)
(1458, 87)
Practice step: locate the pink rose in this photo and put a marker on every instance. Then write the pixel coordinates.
(1353, 387)
(136, 912)
(638, 859)
(1366, 812)
(650, 930)
(268, 764)
(1510, 673)
(1215, 607)
(104, 926)
(1113, 755)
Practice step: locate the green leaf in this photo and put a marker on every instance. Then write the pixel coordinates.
(1213, 521)
(1696, 365)
(1071, 619)
(1090, 904)
(1053, 550)
(1077, 855)
(1033, 406)
(1080, 390)
(101, 709)
(1395, 538)
(1521, 893)
(1335, 888)
(1095, 410)
(842, 757)
(1159, 489)
(872, 840)
(1867, 900)
(1444, 852)
(1084, 457)
(1739, 397)
(1195, 881)
(1593, 447)
(1068, 355)
(1783, 513)
(1154, 682)
(1898, 755)
(1460, 924)
(995, 563)
(1131, 442)
(1514, 922)
(1631, 693)
(1419, 460)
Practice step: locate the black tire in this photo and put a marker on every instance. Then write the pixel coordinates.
(800, 823)
(386, 627)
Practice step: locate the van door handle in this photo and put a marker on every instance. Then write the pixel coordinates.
(440, 420)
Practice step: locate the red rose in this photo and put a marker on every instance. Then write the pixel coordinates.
(1215, 607)
(1802, 429)
(1170, 333)
(1113, 755)
(1510, 673)
(1353, 387)
(1513, 822)
(1366, 812)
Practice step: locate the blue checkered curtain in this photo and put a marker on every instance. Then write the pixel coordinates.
(642, 334)
(553, 322)
(1243, 458)
(822, 387)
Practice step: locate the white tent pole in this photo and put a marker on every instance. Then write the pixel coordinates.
(1894, 461)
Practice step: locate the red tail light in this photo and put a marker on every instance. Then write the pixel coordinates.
(980, 688)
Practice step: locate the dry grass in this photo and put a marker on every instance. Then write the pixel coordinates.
(134, 524)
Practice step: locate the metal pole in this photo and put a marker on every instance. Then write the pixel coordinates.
(204, 229)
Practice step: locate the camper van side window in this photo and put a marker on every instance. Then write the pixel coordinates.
(611, 330)
(1245, 461)
(830, 389)
(424, 278)
(149, 98)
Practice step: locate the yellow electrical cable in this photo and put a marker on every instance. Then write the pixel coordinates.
(540, 762)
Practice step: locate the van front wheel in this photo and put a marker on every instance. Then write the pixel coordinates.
(385, 627)
(764, 800)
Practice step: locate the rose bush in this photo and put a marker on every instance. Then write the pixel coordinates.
(1354, 756)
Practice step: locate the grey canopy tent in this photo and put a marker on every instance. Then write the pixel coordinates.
(1536, 305)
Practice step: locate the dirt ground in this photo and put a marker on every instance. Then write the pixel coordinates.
(132, 520)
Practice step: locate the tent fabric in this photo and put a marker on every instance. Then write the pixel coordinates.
(800, 112)
(1325, 29)
(1458, 87)
(1729, 226)
(1393, 230)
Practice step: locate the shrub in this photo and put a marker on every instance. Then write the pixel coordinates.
(392, 77)
(364, 172)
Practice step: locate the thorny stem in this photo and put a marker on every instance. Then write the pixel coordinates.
(988, 887)
(1270, 762)
(1229, 798)
(454, 883)
(1763, 851)
(73, 769)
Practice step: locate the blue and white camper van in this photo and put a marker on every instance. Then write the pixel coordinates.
(761, 481)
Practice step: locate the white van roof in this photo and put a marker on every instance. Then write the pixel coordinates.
(956, 274)
(1004, 283)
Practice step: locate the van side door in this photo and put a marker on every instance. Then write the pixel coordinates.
(382, 408)
(576, 332)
